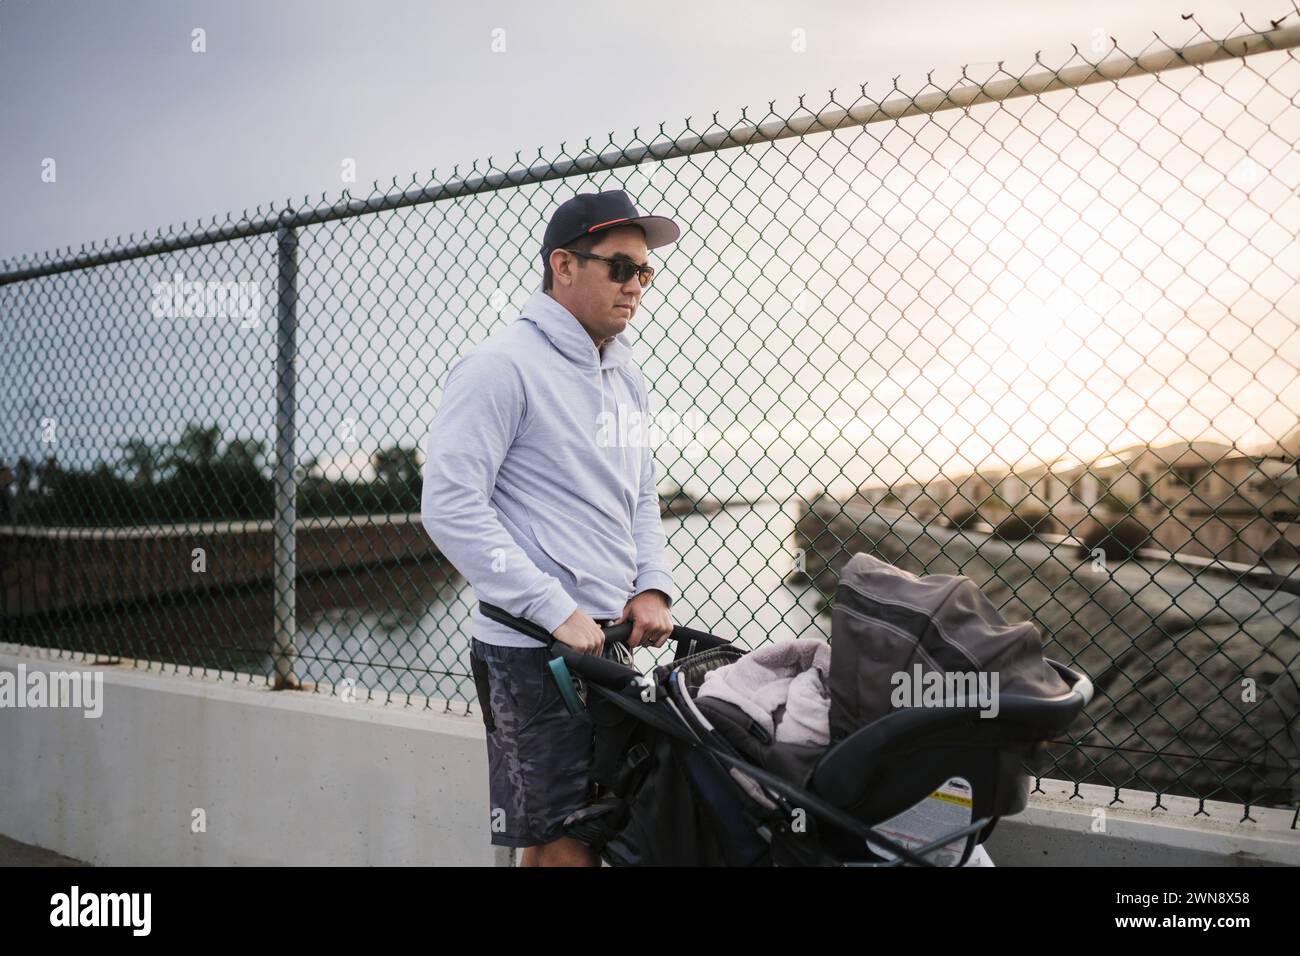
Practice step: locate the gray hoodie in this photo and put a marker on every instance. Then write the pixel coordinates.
(535, 488)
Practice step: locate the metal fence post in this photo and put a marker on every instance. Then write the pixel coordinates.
(286, 481)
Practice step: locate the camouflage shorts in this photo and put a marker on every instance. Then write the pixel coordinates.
(539, 755)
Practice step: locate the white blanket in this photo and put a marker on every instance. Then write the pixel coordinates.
(783, 687)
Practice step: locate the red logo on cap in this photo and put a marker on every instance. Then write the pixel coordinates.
(609, 223)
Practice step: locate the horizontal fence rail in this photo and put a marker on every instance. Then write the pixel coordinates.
(1040, 329)
(958, 97)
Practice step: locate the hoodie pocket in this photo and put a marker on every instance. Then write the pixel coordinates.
(578, 550)
(561, 554)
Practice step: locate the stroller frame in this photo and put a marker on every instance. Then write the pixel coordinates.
(629, 702)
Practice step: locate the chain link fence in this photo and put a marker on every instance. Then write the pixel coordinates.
(1038, 327)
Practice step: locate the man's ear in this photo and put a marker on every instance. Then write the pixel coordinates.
(558, 258)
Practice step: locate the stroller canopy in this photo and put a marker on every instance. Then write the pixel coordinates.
(891, 628)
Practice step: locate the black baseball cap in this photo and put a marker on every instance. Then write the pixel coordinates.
(586, 213)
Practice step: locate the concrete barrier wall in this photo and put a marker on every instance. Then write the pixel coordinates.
(282, 778)
(302, 778)
(1065, 825)
(46, 569)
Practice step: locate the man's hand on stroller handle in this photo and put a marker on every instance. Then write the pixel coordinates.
(581, 633)
(651, 623)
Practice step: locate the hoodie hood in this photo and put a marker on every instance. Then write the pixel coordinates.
(562, 328)
(566, 333)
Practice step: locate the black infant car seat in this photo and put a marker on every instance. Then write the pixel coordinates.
(884, 759)
(897, 761)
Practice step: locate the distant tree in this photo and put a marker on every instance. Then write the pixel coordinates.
(196, 446)
(141, 460)
(23, 476)
(395, 465)
(48, 476)
(962, 518)
(993, 502)
(1114, 504)
(1119, 537)
(243, 453)
(209, 482)
(1019, 525)
(22, 487)
(309, 472)
(6, 482)
(397, 483)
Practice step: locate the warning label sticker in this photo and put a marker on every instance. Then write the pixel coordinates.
(945, 810)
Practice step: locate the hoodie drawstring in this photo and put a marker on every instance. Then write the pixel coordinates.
(617, 435)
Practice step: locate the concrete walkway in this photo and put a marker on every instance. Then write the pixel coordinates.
(13, 853)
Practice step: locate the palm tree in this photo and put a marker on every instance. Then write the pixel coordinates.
(47, 476)
(196, 446)
(243, 453)
(23, 476)
(141, 459)
(309, 470)
(395, 465)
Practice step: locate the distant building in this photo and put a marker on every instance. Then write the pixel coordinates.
(1202, 498)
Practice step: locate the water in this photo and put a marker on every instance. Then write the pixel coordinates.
(731, 569)
(404, 629)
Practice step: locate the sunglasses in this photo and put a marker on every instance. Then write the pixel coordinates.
(621, 268)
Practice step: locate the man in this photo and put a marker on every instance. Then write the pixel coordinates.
(534, 493)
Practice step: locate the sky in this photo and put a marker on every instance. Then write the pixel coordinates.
(146, 133)
(1066, 294)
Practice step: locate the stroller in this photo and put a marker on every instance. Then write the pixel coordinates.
(681, 781)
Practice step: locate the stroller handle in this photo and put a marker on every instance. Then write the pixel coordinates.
(613, 632)
(599, 669)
